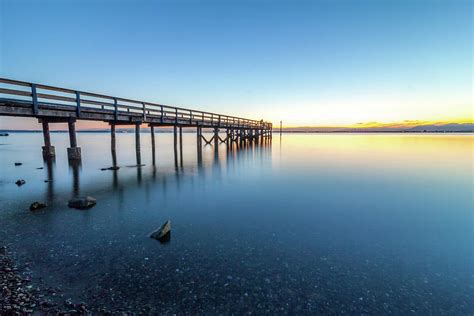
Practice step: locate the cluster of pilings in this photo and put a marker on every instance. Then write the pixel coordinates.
(234, 137)
(73, 152)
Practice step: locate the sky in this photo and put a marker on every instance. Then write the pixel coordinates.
(308, 63)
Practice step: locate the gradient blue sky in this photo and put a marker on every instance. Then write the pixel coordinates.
(319, 63)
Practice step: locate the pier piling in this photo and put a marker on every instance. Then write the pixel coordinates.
(48, 150)
(137, 143)
(73, 152)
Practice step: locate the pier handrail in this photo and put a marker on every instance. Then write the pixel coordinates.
(80, 99)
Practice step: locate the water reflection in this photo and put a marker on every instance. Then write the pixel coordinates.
(367, 222)
(223, 155)
(49, 163)
(75, 167)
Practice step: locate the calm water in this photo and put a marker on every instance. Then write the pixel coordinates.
(327, 223)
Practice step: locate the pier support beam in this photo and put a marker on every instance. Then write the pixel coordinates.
(73, 152)
(112, 144)
(48, 150)
(216, 137)
(181, 146)
(112, 137)
(175, 144)
(137, 143)
(152, 131)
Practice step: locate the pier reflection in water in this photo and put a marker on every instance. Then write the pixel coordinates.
(184, 163)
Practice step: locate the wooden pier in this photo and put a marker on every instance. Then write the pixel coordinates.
(59, 105)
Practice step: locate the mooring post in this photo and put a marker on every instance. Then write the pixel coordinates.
(73, 152)
(137, 143)
(48, 150)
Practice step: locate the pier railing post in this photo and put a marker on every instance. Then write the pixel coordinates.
(115, 109)
(78, 104)
(34, 96)
(73, 152)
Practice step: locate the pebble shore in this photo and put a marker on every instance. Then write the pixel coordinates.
(19, 297)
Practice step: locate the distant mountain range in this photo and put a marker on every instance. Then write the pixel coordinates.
(451, 127)
(429, 128)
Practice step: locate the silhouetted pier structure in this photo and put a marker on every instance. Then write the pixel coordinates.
(59, 105)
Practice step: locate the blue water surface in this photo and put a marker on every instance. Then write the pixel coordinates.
(311, 223)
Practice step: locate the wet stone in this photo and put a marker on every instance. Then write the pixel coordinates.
(20, 182)
(163, 233)
(82, 203)
(37, 206)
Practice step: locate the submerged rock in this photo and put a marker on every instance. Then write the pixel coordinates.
(39, 168)
(82, 202)
(18, 163)
(163, 233)
(110, 168)
(20, 182)
(37, 206)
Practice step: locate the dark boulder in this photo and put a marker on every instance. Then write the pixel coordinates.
(163, 233)
(20, 182)
(37, 206)
(82, 203)
(18, 163)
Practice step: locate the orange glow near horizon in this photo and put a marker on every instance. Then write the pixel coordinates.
(32, 124)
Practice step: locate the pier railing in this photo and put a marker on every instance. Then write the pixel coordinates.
(39, 96)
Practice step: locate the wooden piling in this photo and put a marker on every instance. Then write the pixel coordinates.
(137, 143)
(112, 137)
(73, 152)
(72, 133)
(152, 131)
(175, 144)
(181, 146)
(48, 150)
(216, 136)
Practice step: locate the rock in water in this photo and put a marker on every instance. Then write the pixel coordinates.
(82, 203)
(37, 206)
(18, 163)
(163, 233)
(20, 182)
(110, 168)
